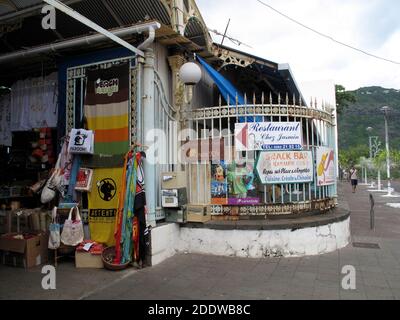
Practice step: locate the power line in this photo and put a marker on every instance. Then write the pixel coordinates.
(327, 36)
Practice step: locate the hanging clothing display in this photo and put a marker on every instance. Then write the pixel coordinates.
(34, 103)
(103, 204)
(5, 121)
(131, 219)
(107, 109)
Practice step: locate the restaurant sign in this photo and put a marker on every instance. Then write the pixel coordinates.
(268, 136)
(325, 166)
(276, 167)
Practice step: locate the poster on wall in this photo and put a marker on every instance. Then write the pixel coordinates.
(219, 184)
(268, 136)
(325, 166)
(234, 184)
(276, 167)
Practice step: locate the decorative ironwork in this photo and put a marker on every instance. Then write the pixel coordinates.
(258, 110)
(322, 205)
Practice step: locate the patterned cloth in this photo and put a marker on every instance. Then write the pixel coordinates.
(131, 223)
(96, 248)
(34, 103)
(103, 204)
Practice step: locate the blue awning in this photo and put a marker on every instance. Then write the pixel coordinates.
(226, 89)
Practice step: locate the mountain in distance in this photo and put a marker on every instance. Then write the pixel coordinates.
(365, 112)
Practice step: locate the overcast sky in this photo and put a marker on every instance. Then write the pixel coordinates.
(372, 25)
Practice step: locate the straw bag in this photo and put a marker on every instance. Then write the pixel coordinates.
(54, 227)
(72, 233)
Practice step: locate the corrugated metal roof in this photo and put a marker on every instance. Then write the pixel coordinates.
(194, 31)
(135, 11)
(129, 11)
(21, 4)
(97, 12)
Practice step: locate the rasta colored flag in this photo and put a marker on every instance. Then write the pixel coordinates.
(107, 109)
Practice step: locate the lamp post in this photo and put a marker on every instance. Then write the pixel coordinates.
(190, 75)
(385, 111)
(369, 129)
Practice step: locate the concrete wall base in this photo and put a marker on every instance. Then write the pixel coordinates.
(171, 238)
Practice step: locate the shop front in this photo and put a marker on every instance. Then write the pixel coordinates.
(118, 160)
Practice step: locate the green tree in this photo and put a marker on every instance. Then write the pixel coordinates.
(351, 156)
(343, 98)
(380, 163)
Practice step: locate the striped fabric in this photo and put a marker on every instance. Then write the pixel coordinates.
(107, 109)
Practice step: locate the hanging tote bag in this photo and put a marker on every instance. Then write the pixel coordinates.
(53, 184)
(72, 233)
(81, 141)
(54, 228)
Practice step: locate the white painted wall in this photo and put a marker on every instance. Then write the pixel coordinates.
(250, 243)
(162, 67)
(163, 238)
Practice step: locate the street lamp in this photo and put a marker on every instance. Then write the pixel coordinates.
(190, 75)
(385, 111)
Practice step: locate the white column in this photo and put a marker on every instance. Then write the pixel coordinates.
(149, 109)
(379, 180)
(387, 153)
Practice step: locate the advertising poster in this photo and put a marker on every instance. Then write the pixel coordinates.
(275, 167)
(325, 166)
(233, 184)
(268, 136)
(219, 184)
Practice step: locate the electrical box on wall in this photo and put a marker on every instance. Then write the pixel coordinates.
(173, 198)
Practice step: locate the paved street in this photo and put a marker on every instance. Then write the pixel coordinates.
(191, 276)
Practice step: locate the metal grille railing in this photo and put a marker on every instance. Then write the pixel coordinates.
(219, 122)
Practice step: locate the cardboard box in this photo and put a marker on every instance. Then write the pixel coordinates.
(88, 260)
(197, 213)
(173, 180)
(32, 251)
(192, 217)
(12, 259)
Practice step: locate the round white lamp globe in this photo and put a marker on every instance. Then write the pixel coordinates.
(190, 73)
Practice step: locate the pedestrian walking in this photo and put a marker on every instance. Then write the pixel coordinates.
(353, 178)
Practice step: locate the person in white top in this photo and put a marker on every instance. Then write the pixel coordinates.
(353, 178)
